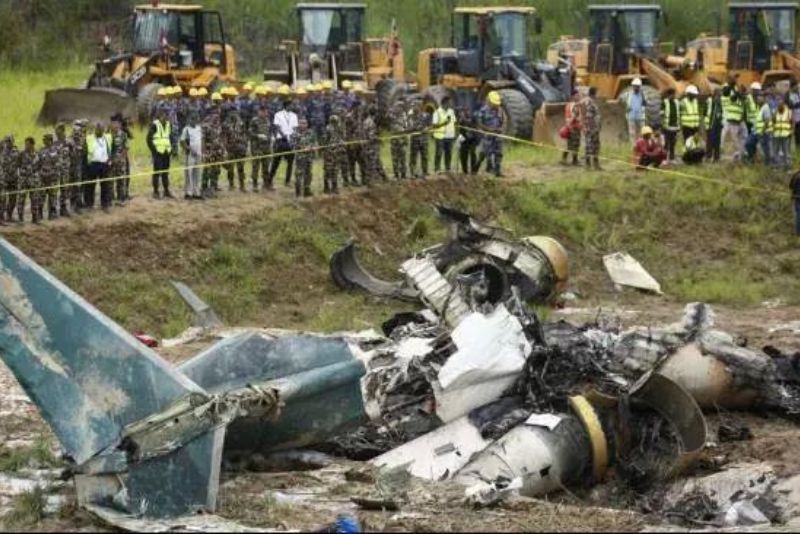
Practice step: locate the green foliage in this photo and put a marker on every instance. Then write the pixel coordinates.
(27, 508)
(36, 456)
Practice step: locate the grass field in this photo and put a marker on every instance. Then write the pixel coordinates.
(722, 235)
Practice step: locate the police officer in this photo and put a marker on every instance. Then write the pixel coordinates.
(159, 141)
(490, 120)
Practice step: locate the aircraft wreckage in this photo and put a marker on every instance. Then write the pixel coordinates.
(479, 392)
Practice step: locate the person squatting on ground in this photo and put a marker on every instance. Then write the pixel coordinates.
(571, 130)
(160, 144)
(492, 121)
(647, 151)
(694, 149)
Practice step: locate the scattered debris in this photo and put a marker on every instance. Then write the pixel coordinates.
(483, 262)
(624, 270)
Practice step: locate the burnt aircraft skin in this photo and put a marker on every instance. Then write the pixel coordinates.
(536, 266)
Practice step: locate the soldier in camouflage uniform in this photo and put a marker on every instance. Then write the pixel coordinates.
(213, 151)
(47, 170)
(316, 115)
(261, 145)
(303, 141)
(372, 148)
(10, 155)
(490, 120)
(355, 153)
(4, 190)
(65, 148)
(334, 155)
(78, 164)
(27, 170)
(235, 135)
(592, 122)
(398, 125)
(420, 122)
(119, 160)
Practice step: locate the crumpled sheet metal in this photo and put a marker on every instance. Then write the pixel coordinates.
(624, 270)
(348, 273)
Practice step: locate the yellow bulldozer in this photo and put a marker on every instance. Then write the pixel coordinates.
(490, 51)
(623, 45)
(331, 46)
(761, 45)
(171, 45)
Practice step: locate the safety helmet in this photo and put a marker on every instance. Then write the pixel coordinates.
(301, 91)
(327, 85)
(637, 82)
(494, 98)
(310, 88)
(692, 90)
(646, 130)
(285, 90)
(358, 88)
(265, 90)
(216, 96)
(202, 92)
(177, 90)
(248, 87)
(163, 91)
(347, 84)
(755, 86)
(193, 92)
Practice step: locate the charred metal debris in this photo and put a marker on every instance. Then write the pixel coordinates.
(473, 389)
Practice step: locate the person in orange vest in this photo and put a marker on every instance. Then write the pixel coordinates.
(571, 131)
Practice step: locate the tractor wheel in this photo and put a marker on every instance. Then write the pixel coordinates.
(387, 93)
(518, 113)
(653, 98)
(146, 101)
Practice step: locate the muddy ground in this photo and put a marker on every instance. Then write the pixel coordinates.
(165, 233)
(308, 500)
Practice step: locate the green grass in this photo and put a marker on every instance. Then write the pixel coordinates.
(36, 456)
(27, 509)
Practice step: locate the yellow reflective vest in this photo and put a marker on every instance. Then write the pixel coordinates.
(733, 110)
(447, 130)
(161, 139)
(690, 113)
(783, 124)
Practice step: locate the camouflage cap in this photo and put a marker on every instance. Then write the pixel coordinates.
(47, 137)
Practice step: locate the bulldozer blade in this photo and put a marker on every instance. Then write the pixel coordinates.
(546, 123)
(97, 104)
(614, 126)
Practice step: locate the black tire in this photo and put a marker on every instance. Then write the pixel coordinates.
(518, 114)
(387, 93)
(653, 99)
(146, 101)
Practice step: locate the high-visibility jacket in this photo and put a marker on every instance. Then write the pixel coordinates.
(690, 113)
(733, 110)
(761, 126)
(448, 130)
(783, 124)
(161, 140)
(91, 144)
(667, 119)
(751, 109)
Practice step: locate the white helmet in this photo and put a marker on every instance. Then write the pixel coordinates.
(755, 86)
(637, 82)
(692, 90)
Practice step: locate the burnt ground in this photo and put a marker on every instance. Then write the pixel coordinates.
(164, 237)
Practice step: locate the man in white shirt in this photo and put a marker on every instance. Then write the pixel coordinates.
(192, 142)
(98, 153)
(285, 123)
(444, 134)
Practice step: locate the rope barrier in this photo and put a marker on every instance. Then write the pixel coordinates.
(658, 170)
